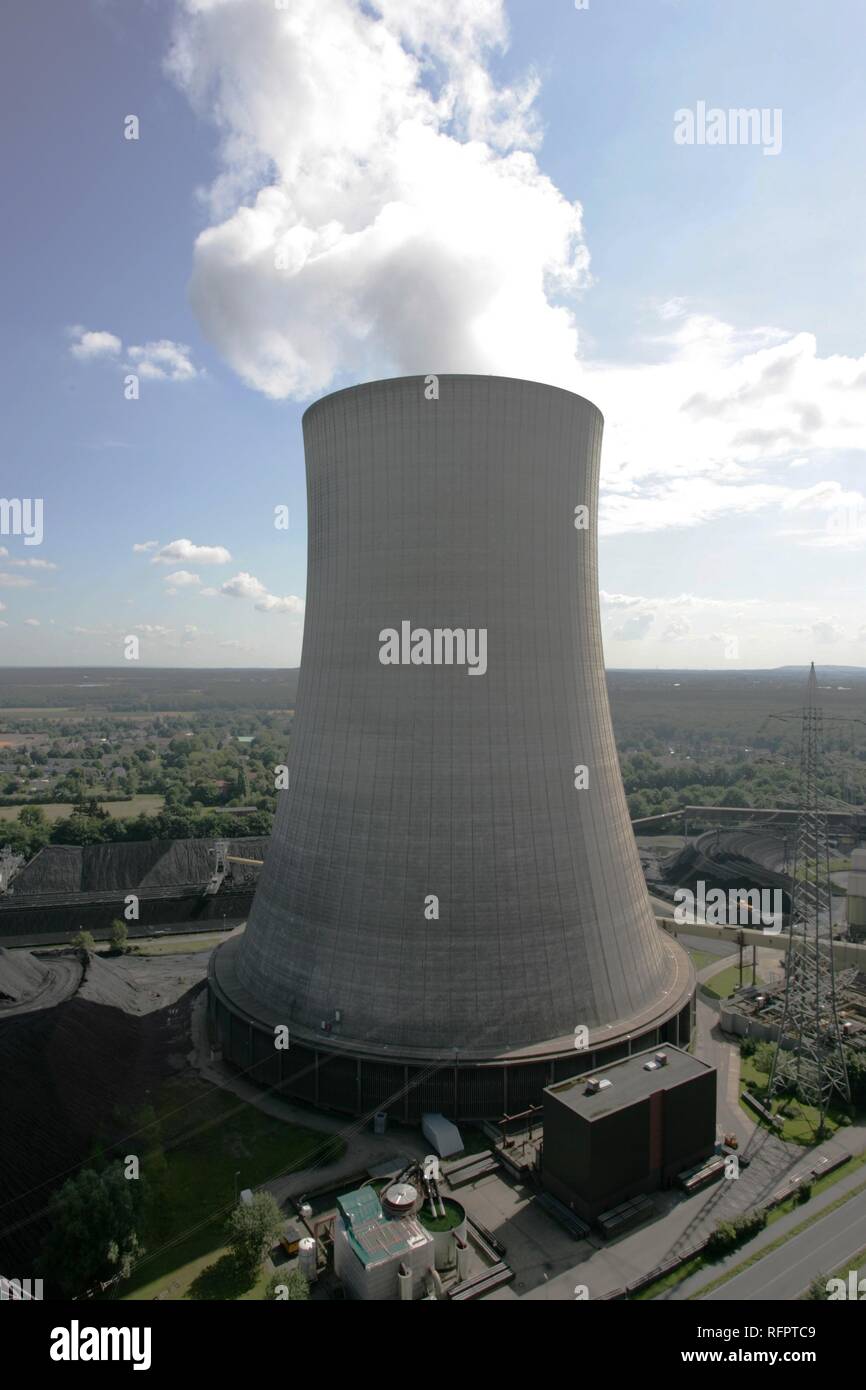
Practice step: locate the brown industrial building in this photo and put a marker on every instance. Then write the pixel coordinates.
(627, 1129)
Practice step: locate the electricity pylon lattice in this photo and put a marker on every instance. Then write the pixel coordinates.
(810, 1059)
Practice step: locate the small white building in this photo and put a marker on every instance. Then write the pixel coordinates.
(371, 1248)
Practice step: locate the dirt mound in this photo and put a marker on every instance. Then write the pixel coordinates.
(21, 976)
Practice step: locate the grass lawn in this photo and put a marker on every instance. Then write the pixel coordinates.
(801, 1126)
(208, 1136)
(727, 980)
(701, 959)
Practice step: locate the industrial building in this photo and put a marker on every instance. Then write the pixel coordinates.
(628, 1129)
(756, 1011)
(378, 1256)
(407, 1244)
(452, 889)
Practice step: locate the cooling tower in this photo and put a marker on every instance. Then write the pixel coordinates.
(452, 889)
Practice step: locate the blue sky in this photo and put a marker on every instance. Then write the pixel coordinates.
(711, 299)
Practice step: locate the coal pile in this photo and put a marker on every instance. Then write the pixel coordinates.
(125, 868)
(21, 976)
(73, 1075)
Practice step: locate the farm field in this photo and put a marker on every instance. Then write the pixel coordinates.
(117, 810)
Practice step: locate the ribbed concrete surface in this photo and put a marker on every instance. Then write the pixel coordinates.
(416, 780)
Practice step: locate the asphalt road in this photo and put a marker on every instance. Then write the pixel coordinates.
(787, 1273)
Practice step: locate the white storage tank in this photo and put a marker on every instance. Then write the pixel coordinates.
(446, 1230)
(307, 1263)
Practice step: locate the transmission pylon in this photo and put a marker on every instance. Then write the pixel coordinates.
(810, 1059)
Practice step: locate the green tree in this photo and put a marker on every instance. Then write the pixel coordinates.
(253, 1228)
(818, 1291)
(83, 940)
(764, 1054)
(32, 816)
(119, 935)
(857, 1079)
(94, 1230)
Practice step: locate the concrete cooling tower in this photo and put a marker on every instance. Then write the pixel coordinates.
(452, 913)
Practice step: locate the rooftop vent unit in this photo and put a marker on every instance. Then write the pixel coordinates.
(661, 1059)
(595, 1084)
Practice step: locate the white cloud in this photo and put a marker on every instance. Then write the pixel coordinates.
(288, 604)
(32, 622)
(709, 429)
(185, 550)
(379, 205)
(152, 629)
(33, 564)
(163, 361)
(87, 344)
(380, 210)
(181, 579)
(15, 581)
(619, 600)
(635, 628)
(141, 547)
(827, 632)
(244, 585)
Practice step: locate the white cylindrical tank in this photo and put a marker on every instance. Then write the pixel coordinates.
(307, 1259)
(404, 1283)
(444, 1231)
(401, 1199)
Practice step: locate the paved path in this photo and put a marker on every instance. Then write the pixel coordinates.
(363, 1147)
(715, 1047)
